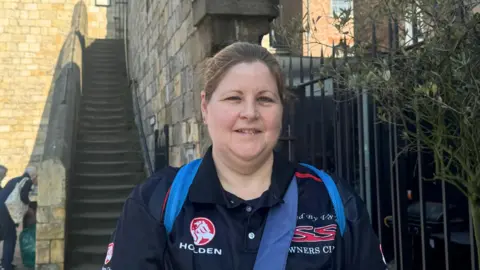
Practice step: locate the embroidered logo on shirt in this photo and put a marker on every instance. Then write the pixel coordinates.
(109, 253)
(310, 234)
(202, 230)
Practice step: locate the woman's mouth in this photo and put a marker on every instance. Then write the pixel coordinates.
(248, 131)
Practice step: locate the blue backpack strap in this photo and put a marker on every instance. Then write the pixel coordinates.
(178, 192)
(334, 196)
(278, 232)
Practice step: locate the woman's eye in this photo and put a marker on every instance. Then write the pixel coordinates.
(265, 99)
(233, 98)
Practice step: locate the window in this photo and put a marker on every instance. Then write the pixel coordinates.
(413, 31)
(103, 3)
(338, 5)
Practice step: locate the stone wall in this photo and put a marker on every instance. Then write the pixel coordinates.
(32, 36)
(41, 44)
(168, 43)
(101, 21)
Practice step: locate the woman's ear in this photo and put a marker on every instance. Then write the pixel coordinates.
(203, 106)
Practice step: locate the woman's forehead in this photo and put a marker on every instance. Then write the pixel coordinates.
(254, 76)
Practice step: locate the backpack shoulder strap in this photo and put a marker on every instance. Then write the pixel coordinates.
(178, 192)
(334, 196)
(160, 197)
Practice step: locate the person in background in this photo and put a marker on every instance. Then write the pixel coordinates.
(3, 173)
(8, 226)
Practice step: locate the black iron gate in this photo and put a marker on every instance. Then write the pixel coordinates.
(421, 225)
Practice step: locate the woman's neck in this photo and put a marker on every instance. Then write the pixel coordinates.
(246, 180)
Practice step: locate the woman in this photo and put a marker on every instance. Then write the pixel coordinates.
(7, 224)
(239, 180)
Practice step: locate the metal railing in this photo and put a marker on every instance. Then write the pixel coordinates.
(121, 32)
(160, 158)
(340, 132)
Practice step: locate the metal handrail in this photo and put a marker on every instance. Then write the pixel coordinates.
(134, 83)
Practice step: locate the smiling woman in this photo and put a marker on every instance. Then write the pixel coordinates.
(242, 206)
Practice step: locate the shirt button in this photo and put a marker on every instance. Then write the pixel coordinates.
(251, 235)
(248, 208)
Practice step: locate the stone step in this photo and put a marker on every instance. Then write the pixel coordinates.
(111, 155)
(97, 220)
(103, 131)
(99, 55)
(111, 77)
(97, 191)
(91, 70)
(109, 166)
(120, 143)
(106, 52)
(94, 254)
(108, 156)
(101, 49)
(97, 205)
(109, 41)
(107, 89)
(116, 118)
(109, 85)
(103, 68)
(106, 126)
(109, 137)
(108, 178)
(108, 65)
(106, 117)
(104, 62)
(93, 109)
(90, 236)
(88, 101)
(94, 74)
(106, 92)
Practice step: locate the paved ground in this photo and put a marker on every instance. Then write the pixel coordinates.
(18, 258)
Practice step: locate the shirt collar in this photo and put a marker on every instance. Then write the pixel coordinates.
(206, 187)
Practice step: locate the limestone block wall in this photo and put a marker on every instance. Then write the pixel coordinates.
(32, 37)
(101, 19)
(163, 57)
(168, 42)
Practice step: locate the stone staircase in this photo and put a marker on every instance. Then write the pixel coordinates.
(108, 160)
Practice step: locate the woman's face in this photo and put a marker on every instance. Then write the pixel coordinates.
(244, 113)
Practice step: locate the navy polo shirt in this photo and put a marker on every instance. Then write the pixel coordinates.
(217, 230)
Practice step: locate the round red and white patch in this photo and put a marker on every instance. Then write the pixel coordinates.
(109, 253)
(202, 230)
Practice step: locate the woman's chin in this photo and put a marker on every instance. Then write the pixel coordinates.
(246, 152)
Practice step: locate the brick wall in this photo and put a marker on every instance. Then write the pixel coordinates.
(325, 34)
(322, 35)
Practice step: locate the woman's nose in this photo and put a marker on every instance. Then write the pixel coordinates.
(249, 110)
